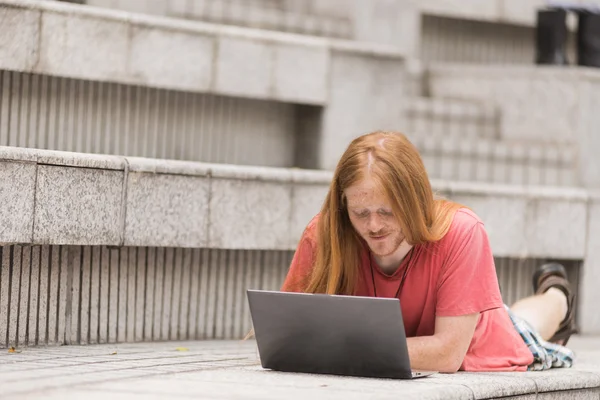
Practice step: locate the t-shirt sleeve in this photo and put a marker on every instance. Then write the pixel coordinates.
(467, 282)
(302, 264)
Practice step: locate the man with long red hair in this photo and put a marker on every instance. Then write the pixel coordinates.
(382, 232)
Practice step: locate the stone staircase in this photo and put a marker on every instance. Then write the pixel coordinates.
(462, 140)
(144, 193)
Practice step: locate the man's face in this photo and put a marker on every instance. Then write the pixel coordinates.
(371, 215)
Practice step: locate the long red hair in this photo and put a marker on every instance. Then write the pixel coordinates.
(395, 164)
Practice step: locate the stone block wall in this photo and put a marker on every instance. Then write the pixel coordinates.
(108, 202)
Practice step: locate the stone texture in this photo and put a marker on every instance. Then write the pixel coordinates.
(249, 214)
(17, 188)
(470, 9)
(243, 67)
(18, 153)
(504, 221)
(588, 140)
(254, 382)
(395, 23)
(300, 73)
(581, 394)
(361, 90)
(83, 160)
(19, 38)
(535, 103)
(175, 60)
(556, 228)
(307, 201)
(78, 206)
(229, 369)
(251, 173)
(79, 46)
(521, 11)
(166, 210)
(589, 299)
(487, 386)
(563, 379)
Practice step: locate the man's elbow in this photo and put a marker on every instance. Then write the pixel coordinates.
(450, 369)
(451, 364)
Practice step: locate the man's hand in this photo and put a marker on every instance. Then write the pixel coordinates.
(446, 349)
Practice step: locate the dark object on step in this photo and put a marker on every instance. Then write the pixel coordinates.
(588, 40)
(551, 37)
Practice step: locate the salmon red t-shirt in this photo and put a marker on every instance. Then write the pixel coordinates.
(451, 277)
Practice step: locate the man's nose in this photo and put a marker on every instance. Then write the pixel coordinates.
(374, 224)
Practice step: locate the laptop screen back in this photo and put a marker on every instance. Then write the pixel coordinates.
(342, 335)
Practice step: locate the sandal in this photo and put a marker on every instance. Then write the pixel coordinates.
(555, 275)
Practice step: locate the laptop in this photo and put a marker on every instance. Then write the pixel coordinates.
(331, 334)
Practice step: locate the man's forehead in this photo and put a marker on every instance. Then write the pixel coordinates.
(367, 197)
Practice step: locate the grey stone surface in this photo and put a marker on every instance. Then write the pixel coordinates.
(79, 46)
(83, 160)
(526, 222)
(588, 140)
(553, 91)
(307, 201)
(176, 60)
(549, 104)
(19, 38)
(361, 90)
(250, 173)
(581, 394)
(312, 176)
(107, 45)
(300, 73)
(17, 188)
(230, 369)
(395, 23)
(243, 68)
(166, 210)
(253, 383)
(486, 386)
(249, 214)
(556, 228)
(18, 154)
(556, 379)
(589, 321)
(504, 219)
(78, 206)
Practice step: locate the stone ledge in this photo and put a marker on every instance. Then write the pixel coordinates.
(182, 25)
(232, 368)
(537, 71)
(531, 192)
(152, 202)
(113, 46)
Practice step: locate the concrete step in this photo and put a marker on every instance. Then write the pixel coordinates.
(537, 103)
(259, 14)
(231, 370)
(112, 46)
(464, 119)
(104, 248)
(484, 159)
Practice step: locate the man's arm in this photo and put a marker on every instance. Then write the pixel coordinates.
(446, 349)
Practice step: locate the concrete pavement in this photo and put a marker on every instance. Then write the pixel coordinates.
(231, 370)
